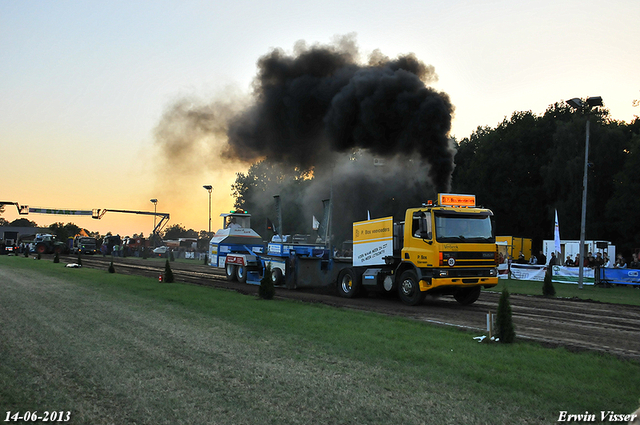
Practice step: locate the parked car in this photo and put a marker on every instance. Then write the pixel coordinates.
(161, 251)
(11, 248)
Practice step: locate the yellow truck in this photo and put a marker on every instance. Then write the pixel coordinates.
(442, 248)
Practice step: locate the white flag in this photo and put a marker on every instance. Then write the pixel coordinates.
(316, 224)
(556, 235)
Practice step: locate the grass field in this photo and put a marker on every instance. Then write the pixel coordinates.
(115, 349)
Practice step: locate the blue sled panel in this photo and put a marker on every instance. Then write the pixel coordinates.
(253, 278)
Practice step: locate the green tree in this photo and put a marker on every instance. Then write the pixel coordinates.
(23, 222)
(502, 168)
(504, 321)
(266, 291)
(547, 287)
(178, 231)
(168, 273)
(563, 176)
(625, 201)
(64, 231)
(3, 221)
(206, 235)
(254, 192)
(530, 165)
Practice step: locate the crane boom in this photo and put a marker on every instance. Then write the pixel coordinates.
(164, 217)
(22, 209)
(95, 213)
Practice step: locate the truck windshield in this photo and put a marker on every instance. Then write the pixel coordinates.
(464, 228)
(237, 222)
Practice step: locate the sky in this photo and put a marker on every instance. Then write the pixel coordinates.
(84, 85)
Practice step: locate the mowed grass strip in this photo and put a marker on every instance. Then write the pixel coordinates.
(124, 349)
(619, 294)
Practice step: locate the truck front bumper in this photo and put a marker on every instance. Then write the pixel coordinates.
(456, 278)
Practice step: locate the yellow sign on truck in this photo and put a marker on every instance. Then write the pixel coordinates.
(372, 241)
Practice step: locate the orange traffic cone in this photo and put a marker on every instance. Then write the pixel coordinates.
(160, 278)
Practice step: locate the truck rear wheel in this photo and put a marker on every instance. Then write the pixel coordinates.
(230, 270)
(409, 289)
(241, 273)
(348, 284)
(468, 295)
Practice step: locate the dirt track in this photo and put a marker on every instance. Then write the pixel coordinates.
(577, 325)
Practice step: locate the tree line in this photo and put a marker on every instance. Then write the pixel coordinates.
(531, 165)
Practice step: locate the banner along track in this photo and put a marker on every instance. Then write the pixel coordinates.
(574, 324)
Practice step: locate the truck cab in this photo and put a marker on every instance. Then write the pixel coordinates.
(452, 250)
(443, 248)
(85, 245)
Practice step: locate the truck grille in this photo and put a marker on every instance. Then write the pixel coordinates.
(469, 259)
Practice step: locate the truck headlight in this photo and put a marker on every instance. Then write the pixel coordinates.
(493, 272)
(443, 273)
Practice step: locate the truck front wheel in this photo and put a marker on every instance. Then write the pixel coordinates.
(409, 289)
(348, 284)
(468, 295)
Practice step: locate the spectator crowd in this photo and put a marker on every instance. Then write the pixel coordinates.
(599, 260)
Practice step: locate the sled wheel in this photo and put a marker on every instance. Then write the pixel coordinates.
(230, 270)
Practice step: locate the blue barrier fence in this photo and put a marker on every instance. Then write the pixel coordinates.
(620, 276)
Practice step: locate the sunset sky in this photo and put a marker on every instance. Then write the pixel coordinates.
(84, 85)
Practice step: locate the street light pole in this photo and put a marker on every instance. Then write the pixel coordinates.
(153, 234)
(583, 217)
(209, 189)
(577, 104)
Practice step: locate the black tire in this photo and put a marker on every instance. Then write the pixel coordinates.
(348, 283)
(468, 295)
(230, 270)
(241, 273)
(277, 277)
(409, 288)
(41, 248)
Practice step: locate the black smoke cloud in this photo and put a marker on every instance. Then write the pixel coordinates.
(321, 110)
(321, 102)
